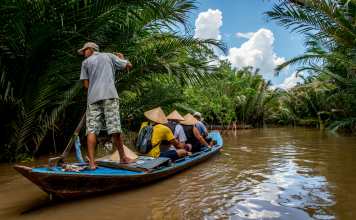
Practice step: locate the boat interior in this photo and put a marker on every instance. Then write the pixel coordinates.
(149, 164)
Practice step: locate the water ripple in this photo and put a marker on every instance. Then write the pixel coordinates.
(271, 173)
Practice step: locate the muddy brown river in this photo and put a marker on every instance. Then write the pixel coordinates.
(269, 173)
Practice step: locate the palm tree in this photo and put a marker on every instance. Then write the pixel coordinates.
(330, 30)
(241, 95)
(40, 65)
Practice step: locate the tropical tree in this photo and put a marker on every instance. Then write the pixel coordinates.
(330, 29)
(40, 90)
(240, 96)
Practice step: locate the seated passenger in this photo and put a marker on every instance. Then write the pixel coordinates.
(177, 131)
(202, 129)
(160, 133)
(192, 134)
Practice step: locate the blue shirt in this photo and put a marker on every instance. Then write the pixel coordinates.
(201, 128)
(100, 69)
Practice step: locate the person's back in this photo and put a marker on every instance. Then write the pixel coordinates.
(165, 144)
(192, 133)
(201, 128)
(189, 133)
(101, 69)
(160, 133)
(179, 135)
(98, 75)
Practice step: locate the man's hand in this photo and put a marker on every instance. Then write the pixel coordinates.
(120, 55)
(190, 154)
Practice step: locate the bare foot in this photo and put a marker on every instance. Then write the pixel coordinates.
(94, 166)
(127, 160)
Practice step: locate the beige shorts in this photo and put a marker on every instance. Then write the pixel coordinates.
(103, 111)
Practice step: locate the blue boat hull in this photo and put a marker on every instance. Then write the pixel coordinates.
(69, 184)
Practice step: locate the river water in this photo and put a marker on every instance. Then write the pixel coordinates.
(269, 173)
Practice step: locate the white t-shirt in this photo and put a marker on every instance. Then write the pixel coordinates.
(178, 133)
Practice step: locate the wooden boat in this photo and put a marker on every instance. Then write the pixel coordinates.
(71, 184)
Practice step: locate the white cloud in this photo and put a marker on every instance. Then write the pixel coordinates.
(289, 82)
(228, 35)
(245, 35)
(256, 52)
(208, 24)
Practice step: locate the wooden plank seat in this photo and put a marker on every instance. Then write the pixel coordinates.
(158, 161)
(117, 165)
(144, 164)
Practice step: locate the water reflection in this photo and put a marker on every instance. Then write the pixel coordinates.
(263, 174)
(271, 173)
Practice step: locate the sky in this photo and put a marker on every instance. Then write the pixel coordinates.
(250, 39)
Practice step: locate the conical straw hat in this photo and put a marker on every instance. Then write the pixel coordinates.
(175, 115)
(189, 120)
(116, 156)
(156, 115)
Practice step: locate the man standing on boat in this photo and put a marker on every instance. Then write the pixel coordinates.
(98, 73)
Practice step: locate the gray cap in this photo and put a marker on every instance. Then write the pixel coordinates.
(87, 45)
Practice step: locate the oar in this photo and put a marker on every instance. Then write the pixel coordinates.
(69, 146)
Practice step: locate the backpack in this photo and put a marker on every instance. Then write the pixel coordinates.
(143, 142)
(171, 125)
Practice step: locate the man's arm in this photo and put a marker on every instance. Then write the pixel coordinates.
(199, 138)
(84, 76)
(86, 83)
(177, 145)
(181, 135)
(204, 131)
(121, 56)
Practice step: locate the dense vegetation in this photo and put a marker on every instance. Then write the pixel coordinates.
(241, 96)
(42, 100)
(327, 95)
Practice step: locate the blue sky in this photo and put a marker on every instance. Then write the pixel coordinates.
(253, 45)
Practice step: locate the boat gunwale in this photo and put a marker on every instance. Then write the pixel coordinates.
(68, 174)
(92, 183)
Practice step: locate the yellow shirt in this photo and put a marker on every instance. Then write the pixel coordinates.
(160, 133)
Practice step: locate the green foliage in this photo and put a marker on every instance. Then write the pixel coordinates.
(241, 96)
(40, 67)
(24, 158)
(327, 96)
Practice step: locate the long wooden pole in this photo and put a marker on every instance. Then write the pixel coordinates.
(71, 142)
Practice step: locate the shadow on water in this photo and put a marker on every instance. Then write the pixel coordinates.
(269, 173)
